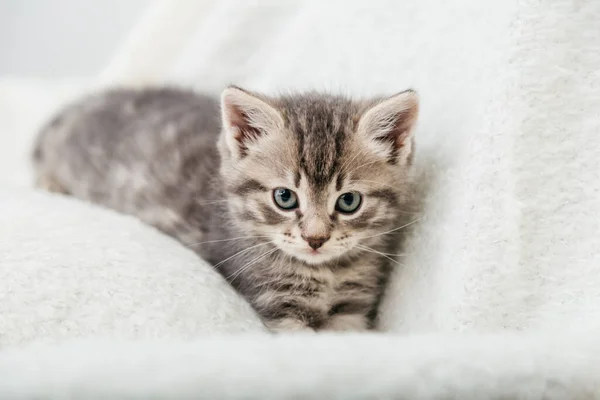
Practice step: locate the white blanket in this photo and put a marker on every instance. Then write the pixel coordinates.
(507, 171)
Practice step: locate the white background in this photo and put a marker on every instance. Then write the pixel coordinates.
(62, 38)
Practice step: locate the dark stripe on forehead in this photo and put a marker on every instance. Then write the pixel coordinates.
(319, 123)
(321, 150)
(339, 181)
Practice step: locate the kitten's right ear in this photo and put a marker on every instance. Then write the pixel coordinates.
(388, 126)
(246, 118)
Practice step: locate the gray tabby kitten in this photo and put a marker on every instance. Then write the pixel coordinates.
(291, 198)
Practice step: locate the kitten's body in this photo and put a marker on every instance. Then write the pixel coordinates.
(156, 154)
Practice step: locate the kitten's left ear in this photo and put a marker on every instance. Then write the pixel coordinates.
(246, 119)
(388, 126)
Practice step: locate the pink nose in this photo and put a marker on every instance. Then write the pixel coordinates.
(315, 241)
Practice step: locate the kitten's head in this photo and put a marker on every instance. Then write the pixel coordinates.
(321, 176)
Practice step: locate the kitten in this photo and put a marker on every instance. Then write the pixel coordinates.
(291, 198)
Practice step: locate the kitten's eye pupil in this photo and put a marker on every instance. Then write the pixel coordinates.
(348, 202)
(347, 198)
(285, 199)
(285, 195)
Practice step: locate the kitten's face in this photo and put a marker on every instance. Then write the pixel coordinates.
(319, 176)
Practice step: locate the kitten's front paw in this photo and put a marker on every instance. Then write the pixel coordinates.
(50, 185)
(287, 325)
(347, 323)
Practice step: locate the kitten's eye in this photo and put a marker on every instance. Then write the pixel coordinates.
(349, 202)
(285, 199)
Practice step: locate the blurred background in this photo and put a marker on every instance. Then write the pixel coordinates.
(63, 38)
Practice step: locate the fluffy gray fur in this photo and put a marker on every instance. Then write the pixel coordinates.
(205, 173)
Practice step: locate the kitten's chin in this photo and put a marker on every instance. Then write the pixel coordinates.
(312, 258)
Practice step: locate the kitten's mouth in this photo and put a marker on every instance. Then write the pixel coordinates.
(313, 256)
(308, 254)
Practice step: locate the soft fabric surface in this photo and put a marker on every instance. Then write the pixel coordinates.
(507, 190)
(307, 367)
(70, 270)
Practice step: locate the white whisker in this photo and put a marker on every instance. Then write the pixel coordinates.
(241, 252)
(395, 229)
(392, 254)
(370, 250)
(225, 240)
(233, 276)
